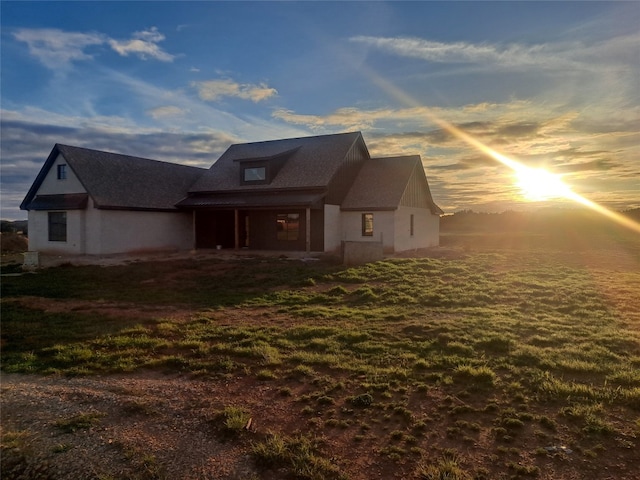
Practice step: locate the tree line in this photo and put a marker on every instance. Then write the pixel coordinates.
(544, 220)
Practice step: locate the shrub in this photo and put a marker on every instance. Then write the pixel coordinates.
(298, 455)
(477, 376)
(363, 400)
(447, 468)
(235, 419)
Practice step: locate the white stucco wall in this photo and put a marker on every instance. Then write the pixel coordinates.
(426, 229)
(332, 228)
(51, 185)
(99, 232)
(394, 228)
(39, 220)
(103, 232)
(122, 231)
(39, 233)
(383, 228)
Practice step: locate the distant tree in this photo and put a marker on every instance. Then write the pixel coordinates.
(8, 226)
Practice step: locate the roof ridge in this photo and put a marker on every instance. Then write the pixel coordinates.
(308, 137)
(62, 147)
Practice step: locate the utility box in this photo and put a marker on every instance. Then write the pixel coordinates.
(358, 253)
(31, 260)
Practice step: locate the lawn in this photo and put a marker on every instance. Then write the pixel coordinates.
(485, 359)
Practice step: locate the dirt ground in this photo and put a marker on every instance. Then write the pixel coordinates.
(150, 425)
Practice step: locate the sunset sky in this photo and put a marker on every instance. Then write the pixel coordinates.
(554, 85)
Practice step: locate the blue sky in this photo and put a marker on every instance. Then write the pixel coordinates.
(554, 85)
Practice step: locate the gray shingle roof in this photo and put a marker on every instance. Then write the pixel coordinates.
(122, 181)
(382, 182)
(311, 162)
(66, 201)
(306, 166)
(258, 200)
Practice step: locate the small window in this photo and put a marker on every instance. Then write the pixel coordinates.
(57, 226)
(288, 226)
(255, 174)
(411, 225)
(367, 224)
(62, 171)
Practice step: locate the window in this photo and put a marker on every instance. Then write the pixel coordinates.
(255, 174)
(57, 226)
(288, 226)
(411, 225)
(62, 171)
(367, 224)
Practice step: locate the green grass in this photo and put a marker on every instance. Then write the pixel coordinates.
(300, 455)
(82, 421)
(520, 348)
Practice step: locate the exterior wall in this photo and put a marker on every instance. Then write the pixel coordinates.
(383, 228)
(426, 229)
(39, 220)
(101, 232)
(393, 228)
(51, 185)
(39, 233)
(332, 228)
(116, 231)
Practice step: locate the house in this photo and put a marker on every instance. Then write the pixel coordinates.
(302, 194)
(90, 202)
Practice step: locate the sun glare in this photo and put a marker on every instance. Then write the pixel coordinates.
(538, 184)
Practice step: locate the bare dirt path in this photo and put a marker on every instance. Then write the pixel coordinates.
(141, 426)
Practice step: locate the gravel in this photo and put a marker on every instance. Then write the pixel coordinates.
(142, 426)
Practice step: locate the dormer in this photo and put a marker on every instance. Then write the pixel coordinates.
(262, 170)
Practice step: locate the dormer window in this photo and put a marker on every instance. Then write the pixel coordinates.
(255, 174)
(262, 170)
(62, 171)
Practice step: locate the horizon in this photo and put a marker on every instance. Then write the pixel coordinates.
(550, 85)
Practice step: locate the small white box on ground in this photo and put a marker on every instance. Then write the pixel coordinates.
(31, 260)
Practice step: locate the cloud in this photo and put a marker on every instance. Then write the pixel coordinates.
(212, 90)
(564, 56)
(461, 52)
(144, 44)
(599, 165)
(27, 139)
(56, 48)
(28, 135)
(168, 111)
(586, 150)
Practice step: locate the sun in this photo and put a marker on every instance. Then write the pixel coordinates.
(538, 184)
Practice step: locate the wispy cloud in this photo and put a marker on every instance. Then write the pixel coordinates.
(144, 44)
(563, 55)
(57, 49)
(168, 111)
(212, 90)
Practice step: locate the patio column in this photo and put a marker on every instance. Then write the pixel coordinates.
(236, 223)
(194, 230)
(308, 230)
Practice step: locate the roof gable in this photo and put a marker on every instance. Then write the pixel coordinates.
(121, 181)
(387, 183)
(307, 162)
